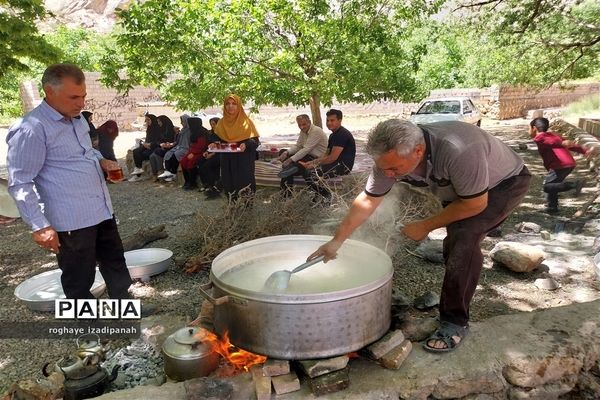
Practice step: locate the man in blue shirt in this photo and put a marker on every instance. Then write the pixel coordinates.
(50, 150)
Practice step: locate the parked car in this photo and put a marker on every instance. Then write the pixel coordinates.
(447, 109)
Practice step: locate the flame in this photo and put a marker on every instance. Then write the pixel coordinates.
(238, 358)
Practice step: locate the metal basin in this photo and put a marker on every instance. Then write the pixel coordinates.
(40, 291)
(327, 310)
(144, 263)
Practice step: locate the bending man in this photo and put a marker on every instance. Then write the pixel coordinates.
(478, 178)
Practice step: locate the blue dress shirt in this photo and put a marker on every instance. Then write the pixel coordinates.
(55, 155)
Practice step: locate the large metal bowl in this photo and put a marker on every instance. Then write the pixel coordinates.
(144, 263)
(40, 291)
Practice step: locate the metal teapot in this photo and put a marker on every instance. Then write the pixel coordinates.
(89, 346)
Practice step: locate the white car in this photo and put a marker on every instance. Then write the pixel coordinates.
(447, 109)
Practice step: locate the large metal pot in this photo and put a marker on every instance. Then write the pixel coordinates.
(327, 310)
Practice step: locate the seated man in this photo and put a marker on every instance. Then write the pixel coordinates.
(311, 144)
(339, 159)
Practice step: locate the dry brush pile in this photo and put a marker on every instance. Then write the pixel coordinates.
(269, 213)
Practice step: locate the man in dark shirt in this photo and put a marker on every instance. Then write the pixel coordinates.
(557, 160)
(339, 158)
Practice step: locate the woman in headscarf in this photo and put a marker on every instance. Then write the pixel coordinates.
(107, 133)
(237, 168)
(198, 145)
(173, 156)
(146, 148)
(210, 169)
(93, 134)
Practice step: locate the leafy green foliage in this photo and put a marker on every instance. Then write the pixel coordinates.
(270, 52)
(19, 36)
(79, 46)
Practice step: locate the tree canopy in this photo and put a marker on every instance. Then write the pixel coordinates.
(20, 38)
(272, 52)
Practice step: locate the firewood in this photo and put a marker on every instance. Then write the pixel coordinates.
(143, 237)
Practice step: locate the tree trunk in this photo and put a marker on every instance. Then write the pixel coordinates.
(315, 110)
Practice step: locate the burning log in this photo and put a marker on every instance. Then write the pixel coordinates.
(143, 237)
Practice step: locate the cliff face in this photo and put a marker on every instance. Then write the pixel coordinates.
(93, 14)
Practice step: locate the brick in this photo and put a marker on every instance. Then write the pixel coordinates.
(314, 368)
(385, 344)
(286, 383)
(273, 367)
(330, 383)
(395, 358)
(262, 384)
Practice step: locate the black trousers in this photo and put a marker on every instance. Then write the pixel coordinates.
(172, 164)
(210, 171)
(324, 171)
(140, 154)
(287, 183)
(77, 257)
(554, 184)
(462, 251)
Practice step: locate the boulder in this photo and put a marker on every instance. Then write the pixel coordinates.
(518, 257)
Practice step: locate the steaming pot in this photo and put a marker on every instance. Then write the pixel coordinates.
(327, 310)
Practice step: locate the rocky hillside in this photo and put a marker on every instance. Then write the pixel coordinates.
(94, 14)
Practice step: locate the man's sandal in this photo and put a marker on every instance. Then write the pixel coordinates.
(445, 333)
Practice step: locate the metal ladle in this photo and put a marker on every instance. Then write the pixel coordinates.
(279, 280)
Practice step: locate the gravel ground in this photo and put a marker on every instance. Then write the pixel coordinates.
(143, 204)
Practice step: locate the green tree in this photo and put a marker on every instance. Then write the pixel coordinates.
(537, 42)
(305, 52)
(20, 38)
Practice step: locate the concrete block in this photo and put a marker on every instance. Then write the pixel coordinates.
(262, 384)
(286, 383)
(314, 368)
(273, 367)
(330, 383)
(395, 358)
(385, 344)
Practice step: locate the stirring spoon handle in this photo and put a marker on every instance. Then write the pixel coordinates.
(308, 264)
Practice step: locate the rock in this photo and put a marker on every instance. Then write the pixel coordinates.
(529, 372)
(286, 383)
(588, 386)
(273, 367)
(528, 227)
(314, 368)
(549, 391)
(330, 383)
(431, 250)
(546, 284)
(517, 257)
(426, 301)
(208, 389)
(417, 329)
(385, 344)
(546, 235)
(399, 299)
(262, 384)
(394, 358)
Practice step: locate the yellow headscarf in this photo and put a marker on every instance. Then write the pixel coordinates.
(235, 128)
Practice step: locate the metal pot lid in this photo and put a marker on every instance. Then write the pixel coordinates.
(189, 335)
(243, 269)
(185, 351)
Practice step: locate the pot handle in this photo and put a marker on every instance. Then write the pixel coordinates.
(204, 293)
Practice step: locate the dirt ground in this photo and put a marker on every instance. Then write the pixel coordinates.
(145, 203)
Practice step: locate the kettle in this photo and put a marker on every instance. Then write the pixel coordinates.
(186, 356)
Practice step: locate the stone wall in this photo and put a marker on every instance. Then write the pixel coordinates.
(504, 102)
(498, 102)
